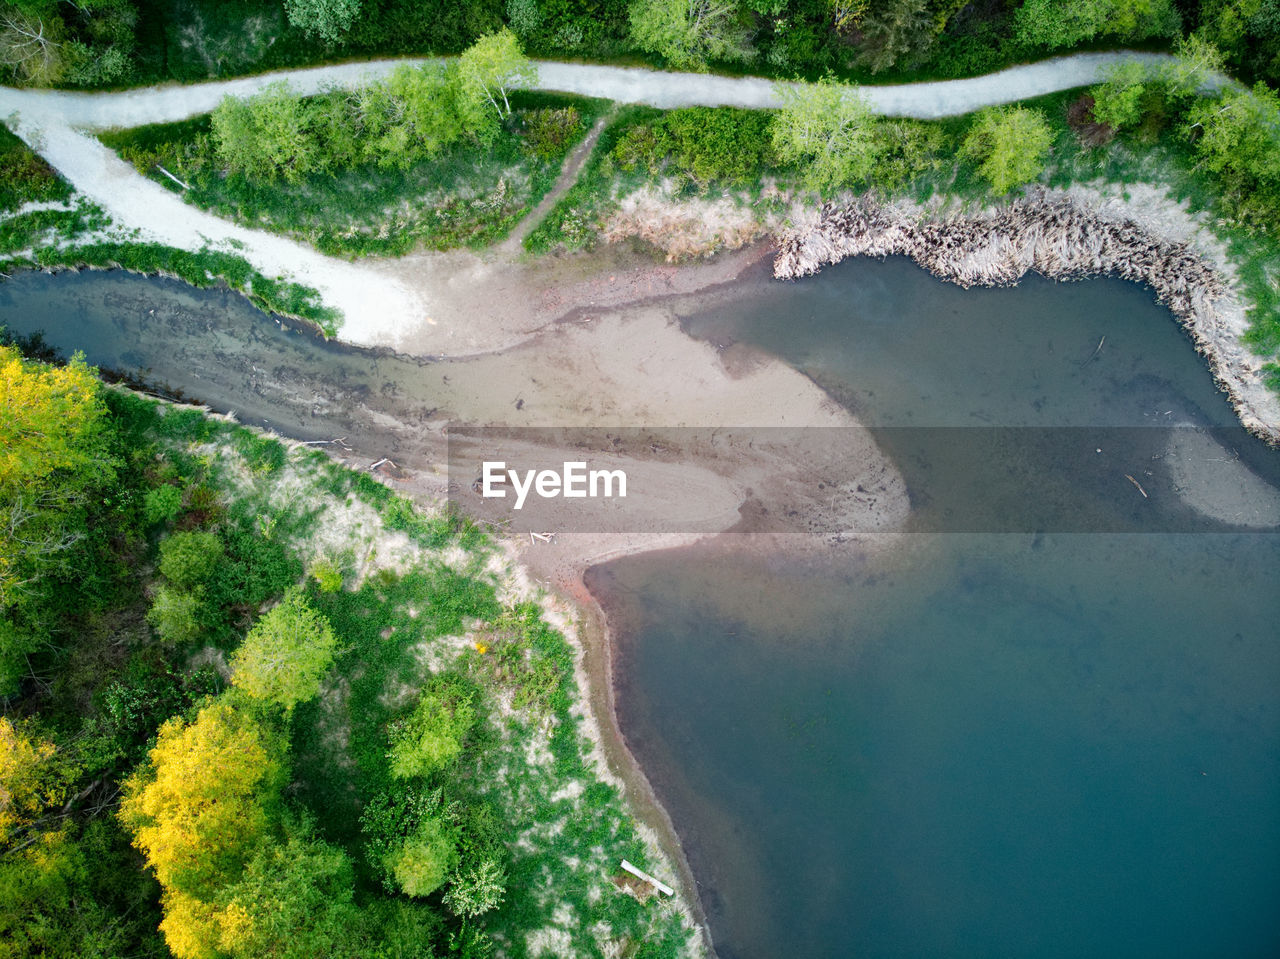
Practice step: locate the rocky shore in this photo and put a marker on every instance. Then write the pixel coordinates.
(1063, 237)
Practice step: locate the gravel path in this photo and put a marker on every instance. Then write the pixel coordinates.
(379, 309)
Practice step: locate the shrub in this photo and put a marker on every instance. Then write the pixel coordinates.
(431, 736)
(176, 615)
(421, 864)
(548, 132)
(162, 504)
(285, 654)
(1009, 144)
(188, 560)
(327, 576)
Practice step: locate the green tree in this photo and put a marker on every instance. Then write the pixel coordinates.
(1197, 63)
(431, 737)
(411, 839)
(189, 559)
(177, 614)
(285, 654)
(828, 130)
(1009, 145)
(1238, 142)
(266, 136)
(1247, 31)
(1056, 24)
(294, 900)
(421, 864)
(688, 33)
(55, 456)
(1118, 100)
(474, 891)
(493, 66)
(328, 19)
(896, 31)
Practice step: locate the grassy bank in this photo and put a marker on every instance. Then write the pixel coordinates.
(468, 195)
(145, 637)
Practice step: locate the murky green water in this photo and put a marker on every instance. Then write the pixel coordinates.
(1023, 744)
(1054, 744)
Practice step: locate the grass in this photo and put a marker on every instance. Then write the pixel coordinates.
(26, 177)
(464, 197)
(572, 222)
(50, 227)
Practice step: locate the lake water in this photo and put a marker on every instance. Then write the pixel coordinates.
(1049, 742)
(1032, 744)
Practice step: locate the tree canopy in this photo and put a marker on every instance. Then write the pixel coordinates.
(265, 137)
(828, 129)
(1064, 23)
(1009, 144)
(493, 66)
(205, 800)
(431, 736)
(328, 19)
(689, 33)
(285, 654)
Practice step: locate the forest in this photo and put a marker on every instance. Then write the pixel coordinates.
(256, 704)
(112, 43)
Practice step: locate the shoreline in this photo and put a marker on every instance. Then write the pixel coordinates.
(1063, 235)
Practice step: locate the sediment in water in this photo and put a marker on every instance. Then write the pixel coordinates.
(1063, 239)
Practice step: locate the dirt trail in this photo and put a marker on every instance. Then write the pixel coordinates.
(512, 245)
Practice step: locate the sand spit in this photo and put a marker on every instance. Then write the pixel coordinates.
(1064, 237)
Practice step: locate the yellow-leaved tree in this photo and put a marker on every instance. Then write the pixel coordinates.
(55, 456)
(198, 811)
(34, 778)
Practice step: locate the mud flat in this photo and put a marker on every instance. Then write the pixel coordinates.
(1064, 235)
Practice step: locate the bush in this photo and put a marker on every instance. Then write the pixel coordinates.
(327, 576)
(426, 858)
(1009, 144)
(188, 560)
(162, 504)
(705, 144)
(431, 737)
(285, 654)
(548, 132)
(24, 176)
(176, 615)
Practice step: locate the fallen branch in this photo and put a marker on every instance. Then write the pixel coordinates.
(1137, 484)
(1095, 352)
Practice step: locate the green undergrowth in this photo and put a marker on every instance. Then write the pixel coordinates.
(50, 227)
(571, 224)
(468, 195)
(25, 177)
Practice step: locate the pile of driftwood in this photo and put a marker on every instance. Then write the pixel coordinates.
(1059, 239)
(1054, 238)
